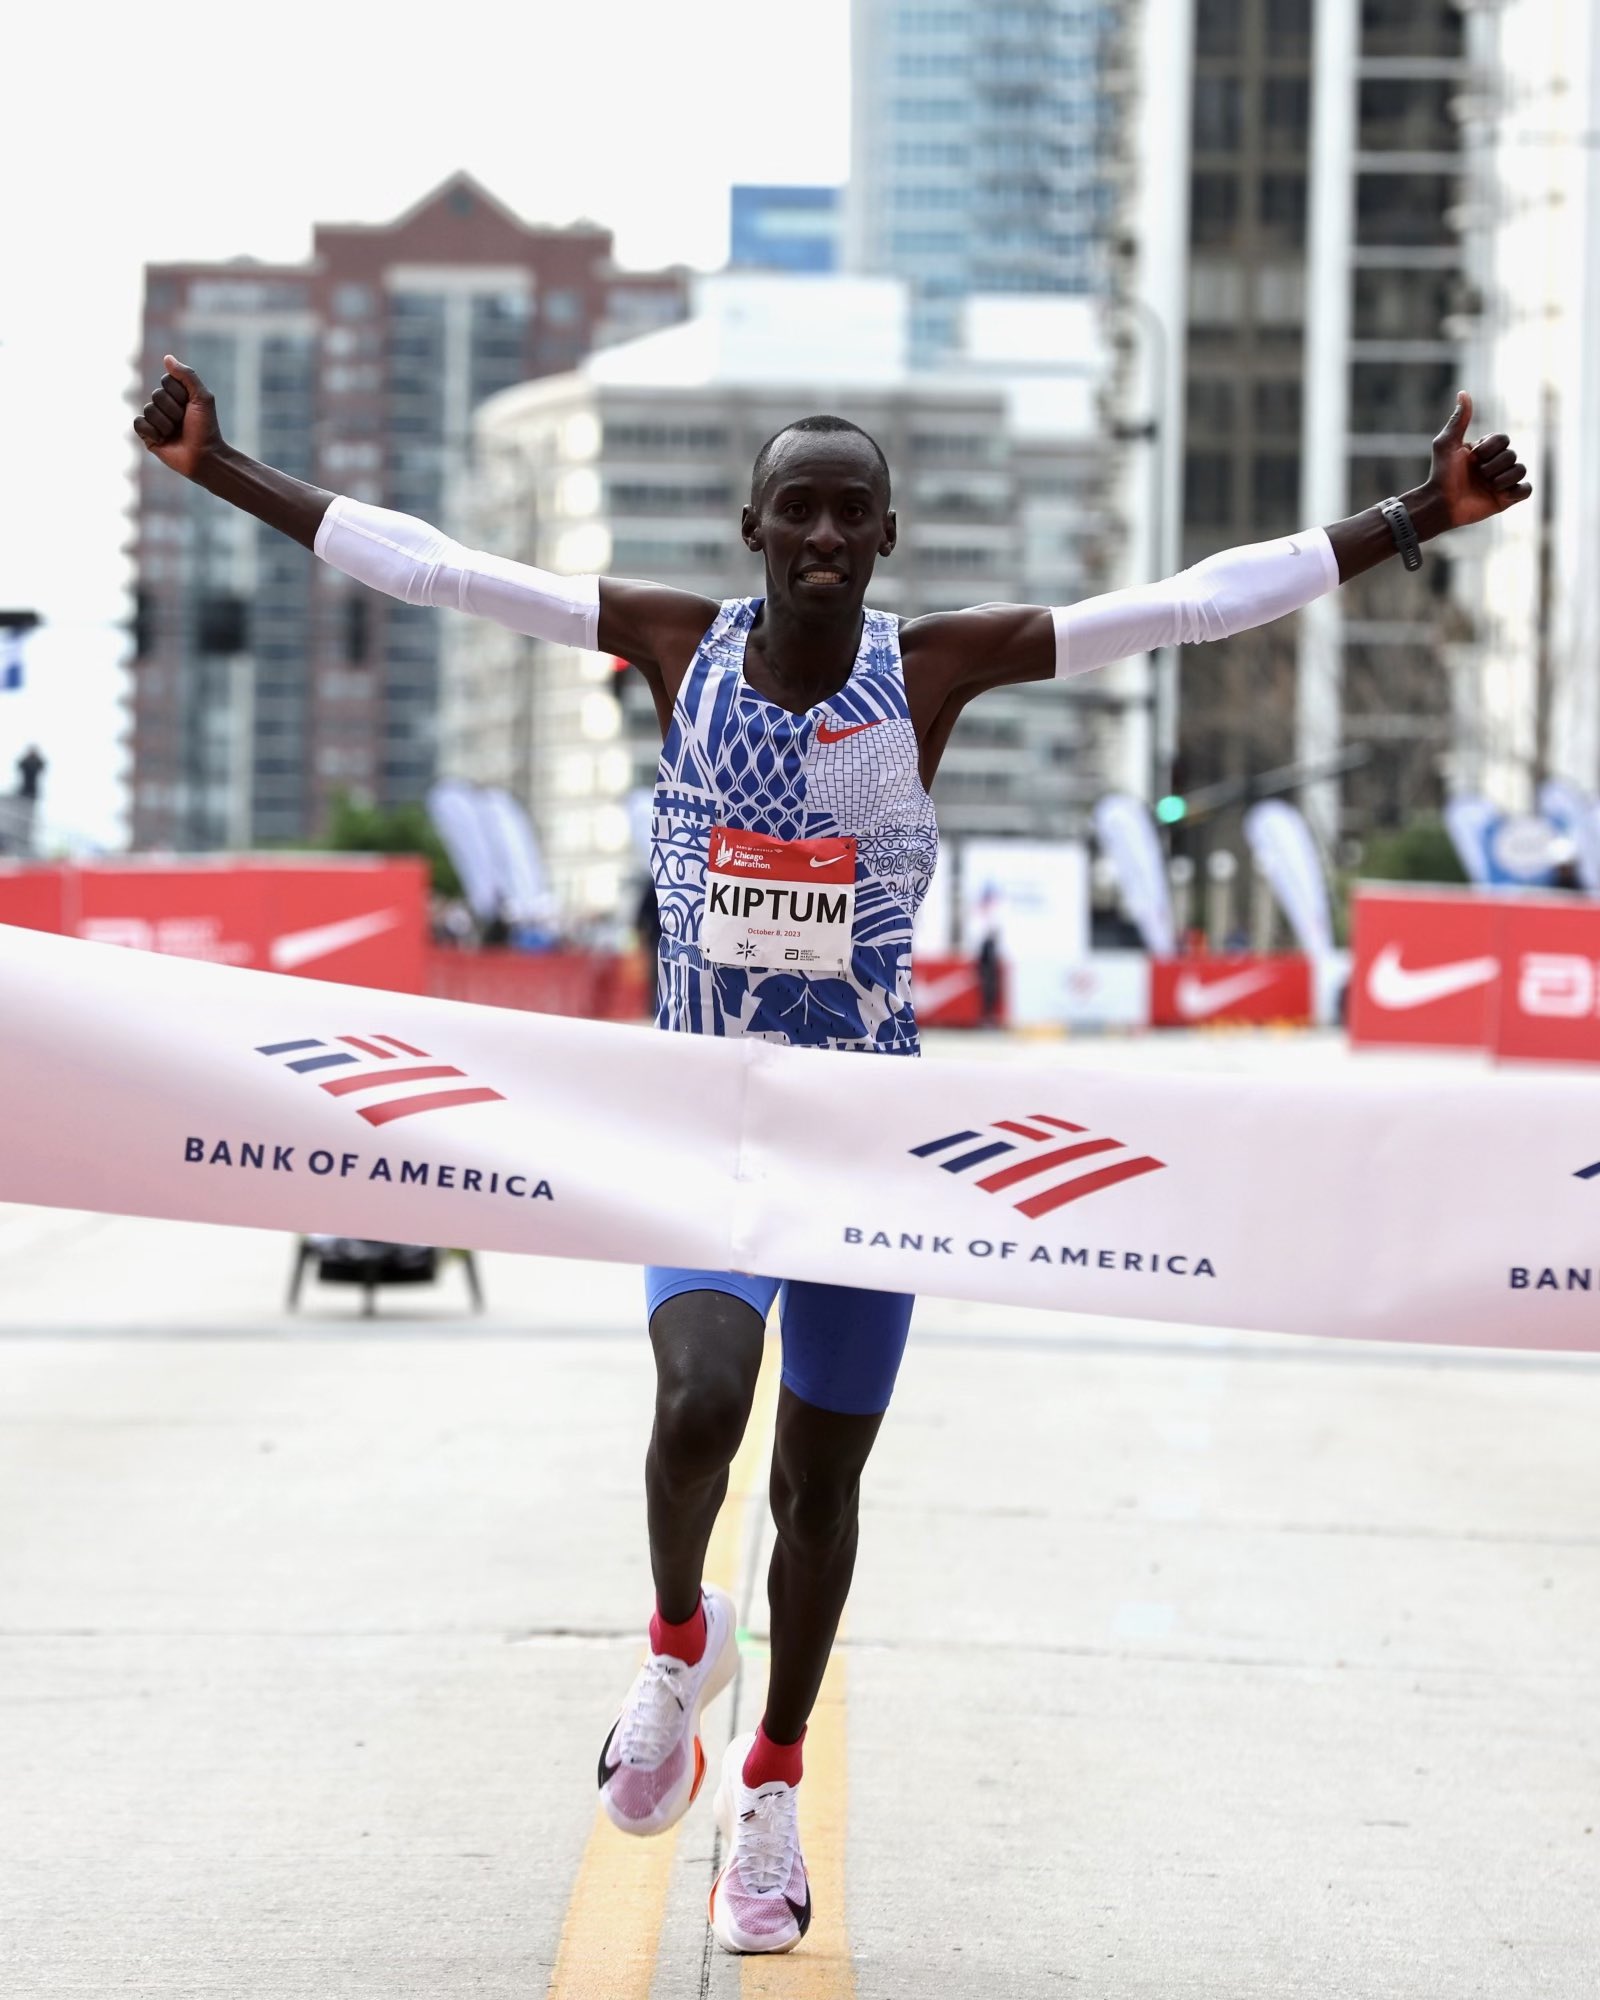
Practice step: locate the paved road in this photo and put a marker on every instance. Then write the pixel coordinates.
(1179, 1664)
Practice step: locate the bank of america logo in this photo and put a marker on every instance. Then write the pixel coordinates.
(1037, 1154)
(368, 1064)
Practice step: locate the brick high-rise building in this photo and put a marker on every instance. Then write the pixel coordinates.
(265, 683)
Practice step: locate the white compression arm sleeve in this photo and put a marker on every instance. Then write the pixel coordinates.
(405, 558)
(1226, 593)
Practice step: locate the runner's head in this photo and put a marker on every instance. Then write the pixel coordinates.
(819, 513)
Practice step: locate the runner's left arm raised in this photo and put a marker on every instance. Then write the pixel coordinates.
(653, 626)
(953, 656)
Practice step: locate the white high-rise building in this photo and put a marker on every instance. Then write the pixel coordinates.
(1529, 670)
(637, 465)
(977, 154)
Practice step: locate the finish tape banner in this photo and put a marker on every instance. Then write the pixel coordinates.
(1462, 1212)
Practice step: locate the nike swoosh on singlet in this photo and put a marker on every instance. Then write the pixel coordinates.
(827, 735)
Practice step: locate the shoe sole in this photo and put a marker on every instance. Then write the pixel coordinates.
(726, 1932)
(670, 1811)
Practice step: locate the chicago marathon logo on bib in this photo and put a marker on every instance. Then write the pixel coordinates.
(779, 903)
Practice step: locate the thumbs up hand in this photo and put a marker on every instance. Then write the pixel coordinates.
(1473, 481)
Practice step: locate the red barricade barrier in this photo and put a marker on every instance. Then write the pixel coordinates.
(1549, 987)
(590, 985)
(948, 993)
(359, 920)
(1197, 991)
(1424, 968)
(1514, 973)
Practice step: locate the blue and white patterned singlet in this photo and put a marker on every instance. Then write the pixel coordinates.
(734, 759)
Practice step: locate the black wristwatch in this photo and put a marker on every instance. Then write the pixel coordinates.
(1402, 527)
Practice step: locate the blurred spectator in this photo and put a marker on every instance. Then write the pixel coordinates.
(17, 817)
(988, 965)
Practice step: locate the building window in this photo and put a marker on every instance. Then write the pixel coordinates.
(1408, 114)
(353, 301)
(1275, 491)
(223, 625)
(1207, 487)
(1277, 407)
(1212, 405)
(1214, 208)
(1405, 210)
(1286, 112)
(1401, 397)
(1289, 27)
(1283, 210)
(1404, 305)
(1217, 27)
(1216, 114)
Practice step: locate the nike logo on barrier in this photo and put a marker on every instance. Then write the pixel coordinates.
(300, 947)
(1400, 987)
(1196, 1000)
(928, 995)
(827, 735)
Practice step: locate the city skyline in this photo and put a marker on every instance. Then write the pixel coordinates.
(69, 320)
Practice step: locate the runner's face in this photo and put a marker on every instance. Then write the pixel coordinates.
(821, 520)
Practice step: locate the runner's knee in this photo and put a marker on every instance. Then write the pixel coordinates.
(708, 1354)
(814, 1513)
(699, 1426)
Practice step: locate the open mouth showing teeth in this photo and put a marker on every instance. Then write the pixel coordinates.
(822, 576)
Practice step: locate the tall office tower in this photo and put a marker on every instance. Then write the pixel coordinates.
(785, 228)
(1528, 688)
(1288, 336)
(979, 137)
(637, 464)
(264, 683)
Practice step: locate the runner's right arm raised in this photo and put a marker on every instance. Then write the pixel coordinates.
(655, 627)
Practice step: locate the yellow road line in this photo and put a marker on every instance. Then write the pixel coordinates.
(612, 1931)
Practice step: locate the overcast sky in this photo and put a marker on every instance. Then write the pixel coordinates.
(133, 136)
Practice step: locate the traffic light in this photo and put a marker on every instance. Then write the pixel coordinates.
(1171, 809)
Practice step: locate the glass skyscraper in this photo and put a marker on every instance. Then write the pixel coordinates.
(980, 141)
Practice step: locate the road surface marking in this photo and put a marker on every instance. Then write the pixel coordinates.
(612, 1932)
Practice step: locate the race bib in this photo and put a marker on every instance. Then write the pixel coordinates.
(779, 904)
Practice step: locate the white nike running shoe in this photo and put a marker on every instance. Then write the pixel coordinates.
(653, 1763)
(762, 1900)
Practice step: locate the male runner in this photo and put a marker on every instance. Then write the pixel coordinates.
(800, 734)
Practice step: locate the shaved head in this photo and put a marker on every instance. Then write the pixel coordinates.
(810, 427)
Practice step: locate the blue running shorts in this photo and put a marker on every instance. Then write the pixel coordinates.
(841, 1346)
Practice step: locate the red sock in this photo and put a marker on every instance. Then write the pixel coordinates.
(772, 1763)
(684, 1642)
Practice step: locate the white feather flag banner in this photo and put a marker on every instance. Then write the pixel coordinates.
(1465, 1212)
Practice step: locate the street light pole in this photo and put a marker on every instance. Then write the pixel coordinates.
(1153, 430)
